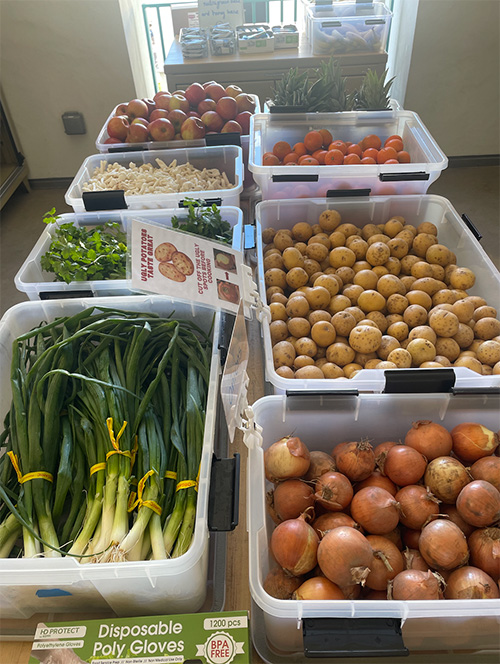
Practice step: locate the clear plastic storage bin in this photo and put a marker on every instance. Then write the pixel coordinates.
(294, 181)
(226, 158)
(322, 421)
(64, 585)
(452, 232)
(39, 284)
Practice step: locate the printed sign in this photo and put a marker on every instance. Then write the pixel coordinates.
(186, 266)
(211, 12)
(205, 638)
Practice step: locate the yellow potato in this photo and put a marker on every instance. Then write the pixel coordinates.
(401, 358)
(393, 227)
(278, 311)
(343, 322)
(306, 346)
(443, 361)
(338, 303)
(398, 330)
(329, 282)
(385, 364)
(380, 270)
(365, 339)
(329, 220)
(297, 306)
(311, 266)
(348, 229)
(415, 315)
(285, 372)
(444, 323)
(296, 277)
(274, 260)
(396, 304)
(421, 350)
(283, 239)
(352, 292)
(337, 239)
(484, 311)
(340, 354)
(462, 278)
(390, 284)
(379, 237)
(470, 363)
(487, 328)
(465, 335)
(368, 230)
(302, 361)
(272, 290)
(387, 344)
(447, 347)
(379, 319)
(423, 332)
(301, 231)
(283, 354)
(342, 256)
(323, 333)
(489, 352)
(419, 297)
(278, 330)
(279, 297)
(311, 372)
(345, 274)
(358, 246)
(378, 253)
(427, 227)
(351, 369)
(421, 269)
(318, 315)
(407, 262)
(444, 296)
(439, 254)
(356, 312)
(398, 247)
(331, 370)
(422, 242)
(275, 277)
(268, 235)
(429, 285)
(318, 297)
(292, 258)
(371, 300)
(298, 326)
(317, 251)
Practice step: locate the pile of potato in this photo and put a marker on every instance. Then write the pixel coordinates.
(384, 296)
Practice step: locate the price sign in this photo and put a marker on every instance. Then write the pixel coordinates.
(211, 12)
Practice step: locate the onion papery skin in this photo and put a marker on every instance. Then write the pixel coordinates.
(443, 545)
(417, 506)
(472, 441)
(291, 498)
(484, 546)
(488, 469)
(381, 451)
(387, 562)
(294, 545)
(395, 537)
(330, 520)
(452, 512)
(334, 491)
(356, 460)
(470, 583)
(430, 439)
(415, 584)
(410, 537)
(345, 556)
(375, 510)
(479, 504)
(318, 587)
(446, 477)
(404, 465)
(280, 584)
(319, 463)
(286, 458)
(377, 479)
(413, 559)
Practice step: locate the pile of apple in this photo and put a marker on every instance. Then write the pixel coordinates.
(183, 115)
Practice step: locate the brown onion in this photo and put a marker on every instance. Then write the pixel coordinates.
(413, 559)
(446, 477)
(381, 451)
(395, 537)
(404, 465)
(479, 504)
(330, 520)
(471, 441)
(443, 545)
(334, 491)
(387, 562)
(410, 537)
(376, 594)
(377, 479)
(291, 498)
(318, 587)
(415, 584)
(280, 584)
(375, 510)
(417, 505)
(452, 513)
(355, 460)
(352, 592)
(470, 583)
(345, 556)
(288, 457)
(430, 439)
(487, 468)
(484, 545)
(294, 545)
(320, 462)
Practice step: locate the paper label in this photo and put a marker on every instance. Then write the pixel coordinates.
(170, 262)
(220, 11)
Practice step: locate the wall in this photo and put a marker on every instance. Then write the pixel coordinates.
(454, 74)
(57, 56)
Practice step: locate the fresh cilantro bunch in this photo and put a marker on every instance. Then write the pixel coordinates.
(81, 254)
(205, 221)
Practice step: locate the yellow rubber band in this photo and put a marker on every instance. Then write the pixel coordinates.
(171, 475)
(186, 484)
(36, 475)
(139, 502)
(97, 467)
(114, 441)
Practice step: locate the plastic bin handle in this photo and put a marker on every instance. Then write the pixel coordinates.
(347, 193)
(375, 21)
(205, 201)
(229, 138)
(353, 637)
(296, 178)
(226, 330)
(94, 201)
(64, 294)
(403, 177)
(223, 499)
(128, 148)
(471, 227)
(331, 24)
(287, 109)
(419, 381)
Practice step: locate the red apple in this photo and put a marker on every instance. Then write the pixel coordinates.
(180, 92)
(192, 128)
(113, 140)
(227, 108)
(194, 94)
(245, 103)
(206, 105)
(205, 85)
(230, 127)
(243, 119)
(121, 109)
(158, 113)
(137, 109)
(150, 103)
(177, 117)
(180, 102)
(137, 133)
(212, 121)
(233, 91)
(193, 114)
(215, 91)
(161, 130)
(163, 101)
(141, 121)
(118, 126)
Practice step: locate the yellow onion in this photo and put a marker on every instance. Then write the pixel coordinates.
(345, 556)
(387, 562)
(446, 477)
(443, 545)
(470, 583)
(318, 587)
(479, 504)
(472, 441)
(415, 584)
(294, 545)
(286, 458)
(484, 545)
(430, 439)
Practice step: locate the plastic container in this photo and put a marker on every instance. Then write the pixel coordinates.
(342, 28)
(227, 158)
(452, 232)
(285, 36)
(63, 585)
(321, 421)
(255, 38)
(278, 182)
(194, 42)
(40, 285)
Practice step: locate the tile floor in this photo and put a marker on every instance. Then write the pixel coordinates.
(474, 191)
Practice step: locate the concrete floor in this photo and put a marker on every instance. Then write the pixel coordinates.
(474, 191)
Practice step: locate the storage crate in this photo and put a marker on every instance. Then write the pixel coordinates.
(452, 232)
(38, 284)
(255, 38)
(226, 158)
(322, 421)
(294, 181)
(285, 36)
(63, 585)
(342, 28)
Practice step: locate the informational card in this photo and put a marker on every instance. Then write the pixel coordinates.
(205, 638)
(170, 262)
(211, 12)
